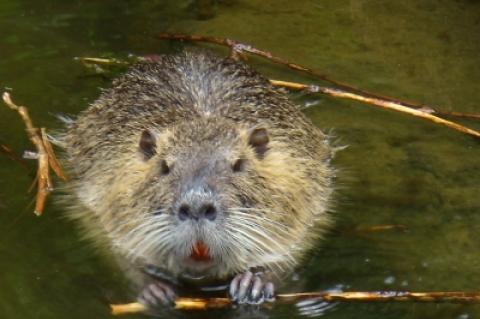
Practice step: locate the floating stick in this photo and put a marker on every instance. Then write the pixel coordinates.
(237, 49)
(10, 154)
(425, 112)
(353, 296)
(375, 102)
(45, 155)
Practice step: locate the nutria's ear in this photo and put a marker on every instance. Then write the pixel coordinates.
(259, 140)
(147, 144)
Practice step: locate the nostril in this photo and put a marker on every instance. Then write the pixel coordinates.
(184, 212)
(209, 211)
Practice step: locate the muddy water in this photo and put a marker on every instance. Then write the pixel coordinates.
(397, 170)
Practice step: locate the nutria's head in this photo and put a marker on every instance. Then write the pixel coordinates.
(210, 197)
(198, 165)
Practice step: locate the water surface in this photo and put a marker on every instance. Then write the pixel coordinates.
(397, 169)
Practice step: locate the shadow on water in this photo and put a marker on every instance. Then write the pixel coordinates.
(397, 170)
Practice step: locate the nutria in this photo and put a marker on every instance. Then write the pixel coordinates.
(194, 167)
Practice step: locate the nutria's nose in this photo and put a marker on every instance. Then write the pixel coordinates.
(207, 211)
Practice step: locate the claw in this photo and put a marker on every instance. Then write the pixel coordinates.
(244, 286)
(157, 294)
(257, 286)
(269, 291)
(234, 287)
(249, 288)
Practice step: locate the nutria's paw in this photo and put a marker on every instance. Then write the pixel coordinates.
(157, 294)
(249, 288)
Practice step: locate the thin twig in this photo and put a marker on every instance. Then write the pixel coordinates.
(93, 60)
(45, 153)
(381, 228)
(424, 112)
(372, 229)
(44, 185)
(237, 49)
(10, 154)
(457, 114)
(354, 296)
(52, 159)
(180, 304)
(376, 102)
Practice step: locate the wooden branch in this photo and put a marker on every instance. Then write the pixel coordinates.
(180, 304)
(52, 159)
(46, 157)
(371, 229)
(354, 296)
(93, 60)
(382, 296)
(457, 114)
(381, 228)
(10, 154)
(424, 112)
(375, 102)
(114, 61)
(237, 50)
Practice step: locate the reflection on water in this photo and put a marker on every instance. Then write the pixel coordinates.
(397, 170)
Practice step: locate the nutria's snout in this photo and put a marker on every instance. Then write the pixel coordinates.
(197, 204)
(205, 211)
(198, 212)
(198, 217)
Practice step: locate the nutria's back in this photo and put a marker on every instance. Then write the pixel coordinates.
(197, 165)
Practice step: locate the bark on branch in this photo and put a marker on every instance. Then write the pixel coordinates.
(237, 49)
(375, 102)
(424, 112)
(353, 296)
(45, 156)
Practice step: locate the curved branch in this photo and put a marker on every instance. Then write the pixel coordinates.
(238, 48)
(45, 155)
(376, 102)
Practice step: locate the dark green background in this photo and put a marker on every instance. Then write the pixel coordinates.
(396, 170)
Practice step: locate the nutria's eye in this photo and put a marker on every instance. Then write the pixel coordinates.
(259, 140)
(239, 165)
(147, 144)
(164, 169)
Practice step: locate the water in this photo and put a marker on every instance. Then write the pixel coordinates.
(397, 169)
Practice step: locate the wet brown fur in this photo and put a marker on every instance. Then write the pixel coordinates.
(201, 109)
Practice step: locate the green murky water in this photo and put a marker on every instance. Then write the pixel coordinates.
(397, 170)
